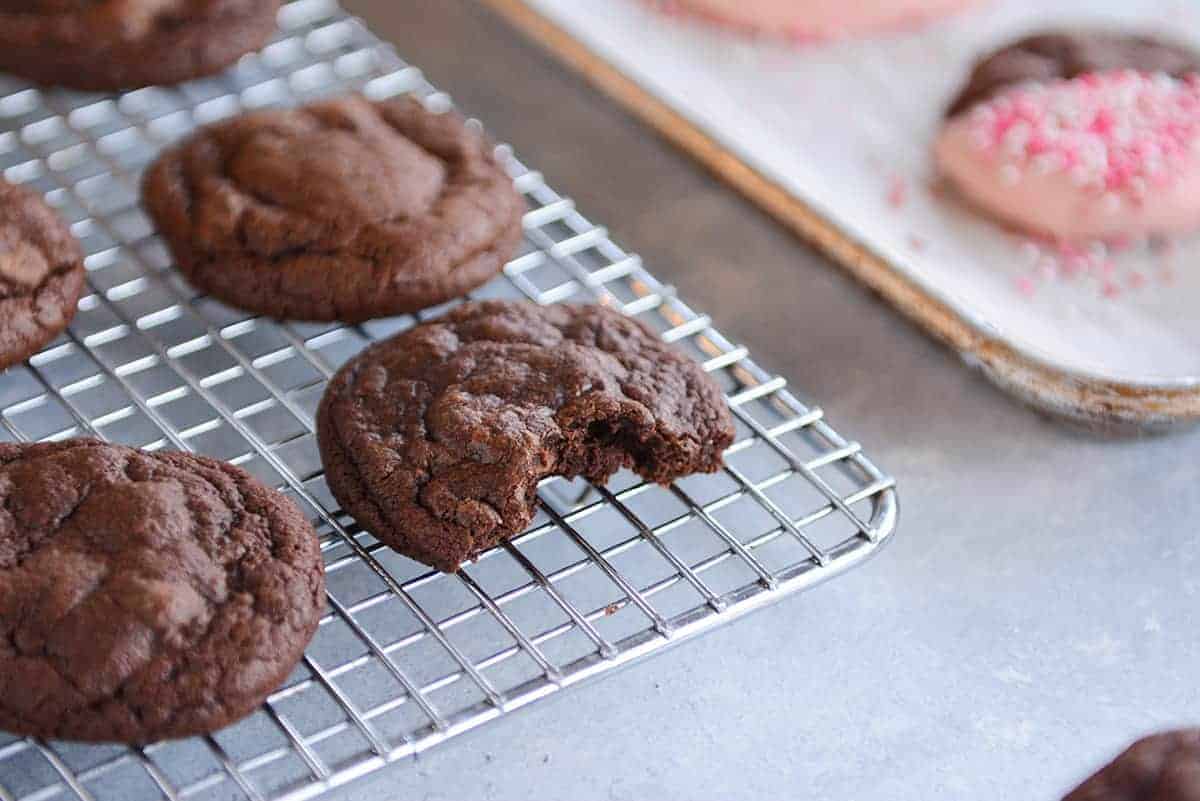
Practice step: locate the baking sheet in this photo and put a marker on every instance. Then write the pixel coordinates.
(846, 127)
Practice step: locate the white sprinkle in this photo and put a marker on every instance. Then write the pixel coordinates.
(1048, 163)
(1081, 176)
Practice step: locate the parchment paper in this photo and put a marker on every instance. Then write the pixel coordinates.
(847, 128)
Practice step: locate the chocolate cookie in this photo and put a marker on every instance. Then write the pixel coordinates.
(344, 210)
(1053, 56)
(121, 44)
(145, 596)
(41, 274)
(1165, 767)
(436, 439)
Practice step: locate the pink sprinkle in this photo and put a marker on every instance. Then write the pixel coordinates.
(897, 194)
(1123, 132)
(1074, 261)
(1092, 264)
(1104, 122)
(917, 243)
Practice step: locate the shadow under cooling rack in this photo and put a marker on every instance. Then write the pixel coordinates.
(405, 658)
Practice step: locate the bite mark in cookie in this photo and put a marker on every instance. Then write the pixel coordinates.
(436, 440)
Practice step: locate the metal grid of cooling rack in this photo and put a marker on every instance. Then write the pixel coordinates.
(405, 658)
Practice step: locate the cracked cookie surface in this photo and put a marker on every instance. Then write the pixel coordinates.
(1164, 767)
(104, 45)
(343, 210)
(41, 274)
(1063, 55)
(436, 439)
(145, 596)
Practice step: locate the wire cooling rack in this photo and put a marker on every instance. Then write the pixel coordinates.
(405, 658)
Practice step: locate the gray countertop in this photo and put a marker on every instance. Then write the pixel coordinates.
(1037, 611)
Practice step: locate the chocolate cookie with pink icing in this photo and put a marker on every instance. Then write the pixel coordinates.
(1079, 136)
(816, 20)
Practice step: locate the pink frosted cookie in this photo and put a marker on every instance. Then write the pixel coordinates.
(1080, 136)
(817, 19)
